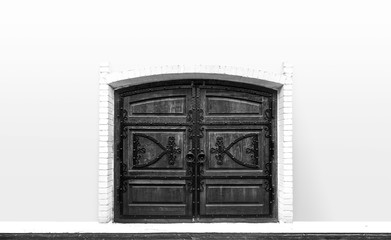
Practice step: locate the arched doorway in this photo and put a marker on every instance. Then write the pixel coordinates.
(195, 150)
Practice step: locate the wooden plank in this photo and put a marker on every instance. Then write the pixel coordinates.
(241, 210)
(156, 209)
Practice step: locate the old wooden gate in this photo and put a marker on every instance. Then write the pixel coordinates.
(195, 151)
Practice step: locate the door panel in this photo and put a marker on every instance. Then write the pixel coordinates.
(223, 105)
(153, 143)
(157, 198)
(234, 198)
(167, 106)
(157, 106)
(232, 150)
(161, 150)
(194, 151)
(236, 176)
(229, 105)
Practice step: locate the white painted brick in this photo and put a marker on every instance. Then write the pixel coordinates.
(103, 173)
(103, 150)
(287, 198)
(284, 200)
(104, 104)
(105, 110)
(103, 121)
(287, 167)
(106, 92)
(103, 133)
(287, 138)
(103, 167)
(104, 86)
(288, 213)
(288, 173)
(103, 196)
(104, 178)
(103, 161)
(103, 213)
(287, 92)
(287, 150)
(287, 110)
(287, 160)
(288, 127)
(106, 144)
(288, 178)
(287, 116)
(104, 190)
(288, 207)
(104, 98)
(104, 201)
(104, 207)
(103, 185)
(287, 104)
(104, 220)
(288, 133)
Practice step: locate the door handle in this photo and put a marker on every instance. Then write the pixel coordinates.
(201, 157)
(190, 157)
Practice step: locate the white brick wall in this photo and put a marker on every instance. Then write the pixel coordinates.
(285, 147)
(106, 146)
(281, 82)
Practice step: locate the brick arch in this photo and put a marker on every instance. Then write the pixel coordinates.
(110, 81)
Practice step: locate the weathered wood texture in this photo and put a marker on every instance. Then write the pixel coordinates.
(199, 236)
(195, 151)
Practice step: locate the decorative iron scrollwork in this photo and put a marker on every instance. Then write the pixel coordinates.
(268, 168)
(201, 186)
(190, 163)
(190, 186)
(138, 150)
(268, 114)
(122, 115)
(123, 187)
(200, 115)
(172, 149)
(124, 168)
(268, 186)
(268, 132)
(219, 150)
(124, 133)
(201, 132)
(190, 115)
(201, 161)
(190, 120)
(268, 165)
(253, 150)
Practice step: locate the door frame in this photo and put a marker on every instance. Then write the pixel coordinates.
(111, 81)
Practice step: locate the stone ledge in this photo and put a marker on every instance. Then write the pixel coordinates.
(200, 236)
(295, 227)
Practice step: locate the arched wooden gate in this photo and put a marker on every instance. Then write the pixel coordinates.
(195, 150)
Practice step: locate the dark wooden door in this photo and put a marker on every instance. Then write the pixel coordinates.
(197, 151)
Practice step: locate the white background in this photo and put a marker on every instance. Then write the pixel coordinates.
(50, 52)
